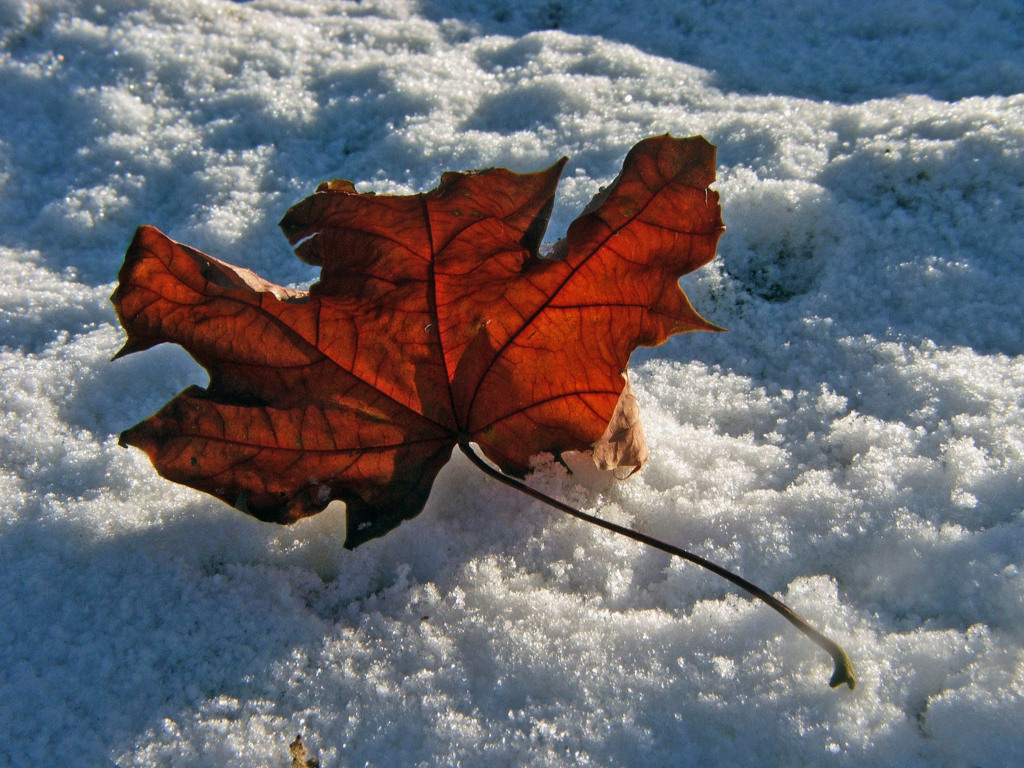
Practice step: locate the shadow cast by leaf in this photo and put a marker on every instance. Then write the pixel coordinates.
(154, 624)
(130, 626)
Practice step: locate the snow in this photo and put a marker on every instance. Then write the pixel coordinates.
(854, 443)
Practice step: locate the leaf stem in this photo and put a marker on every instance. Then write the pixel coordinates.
(843, 668)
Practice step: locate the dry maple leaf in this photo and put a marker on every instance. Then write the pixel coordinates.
(435, 323)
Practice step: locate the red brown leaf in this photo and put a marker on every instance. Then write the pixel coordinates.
(435, 323)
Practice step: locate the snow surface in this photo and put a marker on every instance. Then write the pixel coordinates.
(855, 443)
